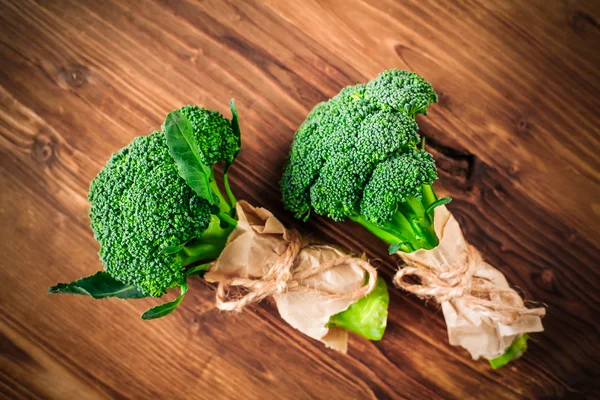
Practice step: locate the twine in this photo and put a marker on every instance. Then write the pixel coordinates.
(281, 278)
(460, 282)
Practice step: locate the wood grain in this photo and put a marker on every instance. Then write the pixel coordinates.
(515, 135)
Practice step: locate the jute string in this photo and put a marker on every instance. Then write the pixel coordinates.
(460, 282)
(234, 293)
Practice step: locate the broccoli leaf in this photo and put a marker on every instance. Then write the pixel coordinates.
(437, 203)
(166, 308)
(99, 286)
(198, 269)
(184, 149)
(394, 248)
(235, 125)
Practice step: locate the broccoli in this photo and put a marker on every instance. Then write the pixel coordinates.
(151, 225)
(356, 157)
(160, 216)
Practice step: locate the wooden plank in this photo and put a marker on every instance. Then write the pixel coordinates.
(515, 136)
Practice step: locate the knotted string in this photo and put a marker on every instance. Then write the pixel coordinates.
(503, 305)
(281, 277)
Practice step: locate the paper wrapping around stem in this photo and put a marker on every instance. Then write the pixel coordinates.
(256, 244)
(468, 327)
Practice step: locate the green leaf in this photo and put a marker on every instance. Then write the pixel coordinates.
(198, 269)
(516, 350)
(235, 125)
(183, 147)
(99, 286)
(396, 247)
(368, 316)
(166, 308)
(437, 203)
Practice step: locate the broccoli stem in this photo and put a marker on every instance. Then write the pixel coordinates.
(199, 252)
(380, 232)
(368, 316)
(410, 225)
(232, 199)
(226, 218)
(209, 246)
(224, 206)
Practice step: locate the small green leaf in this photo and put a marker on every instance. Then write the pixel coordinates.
(396, 247)
(165, 308)
(516, 350)
(198, 269)
(183, 147)
(437, 203)
(99, 286)
(235, 125)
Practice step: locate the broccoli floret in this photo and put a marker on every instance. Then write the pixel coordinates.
(395, 181)
(213, 134)
(402, 91)
(356, 157)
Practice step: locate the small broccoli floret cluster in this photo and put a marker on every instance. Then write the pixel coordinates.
(356, 155)
(140, 206)
(402, 91)
(213, 133)
(394, 181)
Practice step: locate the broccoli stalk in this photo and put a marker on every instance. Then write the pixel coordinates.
(209, 246)
(410, 228)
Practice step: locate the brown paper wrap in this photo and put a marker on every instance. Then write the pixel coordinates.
(483, 314)
(310, 283)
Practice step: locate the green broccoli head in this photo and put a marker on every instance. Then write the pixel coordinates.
(150, 224)
(140, 206)
(356, 157)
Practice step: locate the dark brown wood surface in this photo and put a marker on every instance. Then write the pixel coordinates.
(516, 137)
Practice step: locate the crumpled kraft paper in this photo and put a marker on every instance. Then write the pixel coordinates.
(258, 241)
(467, 326)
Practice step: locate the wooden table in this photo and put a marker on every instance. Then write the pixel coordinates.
(515, 135)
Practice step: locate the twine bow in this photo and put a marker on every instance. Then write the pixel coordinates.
(503, 305)
(281, 278)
